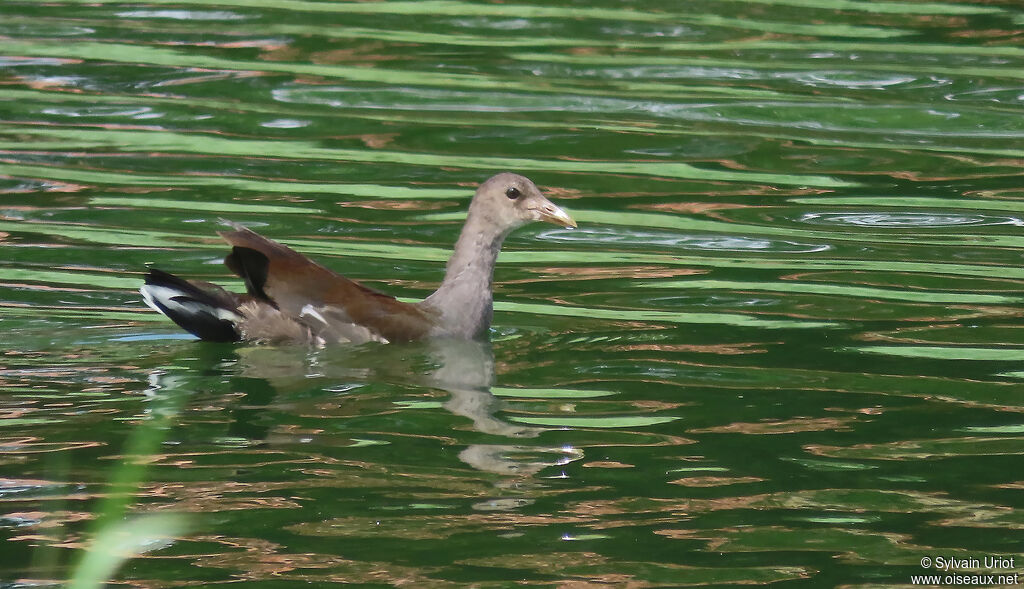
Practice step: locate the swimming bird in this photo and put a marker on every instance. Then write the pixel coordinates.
(290, 298)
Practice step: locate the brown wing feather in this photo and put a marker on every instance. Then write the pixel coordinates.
(291, 281)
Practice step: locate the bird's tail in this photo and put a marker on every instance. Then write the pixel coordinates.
(208, 313)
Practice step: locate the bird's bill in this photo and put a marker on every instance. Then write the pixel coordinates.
(550, 213)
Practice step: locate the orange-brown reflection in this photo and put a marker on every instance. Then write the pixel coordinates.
(688, 208)
(33, 445)
(435, 527)
(788, 426)
(255, 559)
(852, 545)
(393, 205)
(718, 349)
(604, 272)
(714, 481)
(926, 449)
(587, 570)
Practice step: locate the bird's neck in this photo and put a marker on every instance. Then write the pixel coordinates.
(474, 256)
(464, 299)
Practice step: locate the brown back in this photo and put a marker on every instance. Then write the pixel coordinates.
(290, 281)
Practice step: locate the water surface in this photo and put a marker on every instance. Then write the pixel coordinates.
(784, 346)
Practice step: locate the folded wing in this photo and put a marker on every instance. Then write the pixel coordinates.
(333, 307)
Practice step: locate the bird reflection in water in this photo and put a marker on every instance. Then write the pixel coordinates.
(465, 369)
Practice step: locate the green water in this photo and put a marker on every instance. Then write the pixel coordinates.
(785, 344)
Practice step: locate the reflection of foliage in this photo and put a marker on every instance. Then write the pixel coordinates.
(117, 536)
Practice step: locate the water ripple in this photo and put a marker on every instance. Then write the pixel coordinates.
(42, 30)
(433, 99)
(102, 111)
(725, 243)
(497, 24)
(285, 124)
(999, 95)
(16, 61)
(183, 14)
(851, 80)
(883, 219)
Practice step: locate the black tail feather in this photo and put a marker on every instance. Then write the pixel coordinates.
(208, 313)
(252, 265)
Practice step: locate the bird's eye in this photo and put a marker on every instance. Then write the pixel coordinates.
(512, 192)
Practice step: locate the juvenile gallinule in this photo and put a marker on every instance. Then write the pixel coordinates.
(292, 298)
